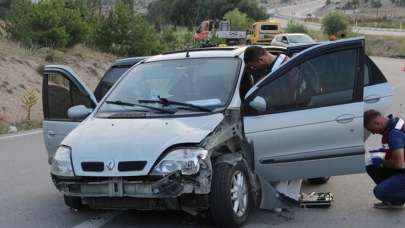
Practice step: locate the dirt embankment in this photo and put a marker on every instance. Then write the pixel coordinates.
(19, 73)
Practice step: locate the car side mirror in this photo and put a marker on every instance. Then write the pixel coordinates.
(259, 104)
(79, 112)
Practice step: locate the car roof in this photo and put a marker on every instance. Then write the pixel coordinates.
(199, 53)
(128, 61)
(292, 34)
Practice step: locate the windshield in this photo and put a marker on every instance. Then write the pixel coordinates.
(300, 39)
(174, 87)
(269, 27)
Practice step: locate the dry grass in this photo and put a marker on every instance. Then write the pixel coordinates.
(385, 46)
(84, 53)
(3, 124)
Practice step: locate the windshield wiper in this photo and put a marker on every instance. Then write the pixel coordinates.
(165, 102)
(123, 103)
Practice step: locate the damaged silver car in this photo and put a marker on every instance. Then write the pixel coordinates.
(178, 132)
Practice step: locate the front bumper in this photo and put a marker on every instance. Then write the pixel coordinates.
(170, 186)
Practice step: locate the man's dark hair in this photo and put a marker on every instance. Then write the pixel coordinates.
(253, 53)
(369, 116)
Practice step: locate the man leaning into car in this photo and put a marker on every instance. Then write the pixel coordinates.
(261, 63)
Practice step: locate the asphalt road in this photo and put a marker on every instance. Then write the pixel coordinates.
(300, 10)
(28, 198)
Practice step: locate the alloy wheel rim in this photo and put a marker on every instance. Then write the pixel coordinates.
(239, 195)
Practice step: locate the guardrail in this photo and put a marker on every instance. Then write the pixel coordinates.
(378, 29)
(355, 28)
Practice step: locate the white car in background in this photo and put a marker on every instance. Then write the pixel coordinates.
(288, 39)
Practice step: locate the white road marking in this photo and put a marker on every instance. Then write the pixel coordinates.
(98, 220)
(22, 134)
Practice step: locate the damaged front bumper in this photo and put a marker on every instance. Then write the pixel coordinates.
(170, 186)
(173, 191)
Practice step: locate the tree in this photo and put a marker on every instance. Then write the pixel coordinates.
(124, 32)
(376, 4)
(47, 23)
(29, 100)
(4, 7)
(335, 23)
(190, 13)
(295, 27)
(238, 20)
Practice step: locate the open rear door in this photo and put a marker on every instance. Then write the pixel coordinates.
(62, 89)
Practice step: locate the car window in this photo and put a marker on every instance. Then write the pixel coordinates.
(372, 74)
(269, 27)
(300, 39)
(284, 39)
(61, 95)
(108, 80)
(322, 81)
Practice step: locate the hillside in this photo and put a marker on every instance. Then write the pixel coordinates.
(19, 69)
(390, 9)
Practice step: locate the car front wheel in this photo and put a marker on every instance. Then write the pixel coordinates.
(73, 202)
(230, 195)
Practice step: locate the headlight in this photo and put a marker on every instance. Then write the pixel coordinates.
(186, 160)
(61, 163)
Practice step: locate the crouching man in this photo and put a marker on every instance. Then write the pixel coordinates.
(387, 167)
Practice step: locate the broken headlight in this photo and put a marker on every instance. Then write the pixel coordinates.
(186, 160)
(61, 163)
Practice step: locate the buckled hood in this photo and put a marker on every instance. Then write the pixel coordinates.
(111, 141)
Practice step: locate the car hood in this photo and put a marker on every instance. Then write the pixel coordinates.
(117, 140)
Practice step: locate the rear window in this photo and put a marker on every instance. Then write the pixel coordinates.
(269, 27)
(300, 39)
(110, 77)
(372, 74)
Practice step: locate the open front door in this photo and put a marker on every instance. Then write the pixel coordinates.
(62, 89)
(310, 117)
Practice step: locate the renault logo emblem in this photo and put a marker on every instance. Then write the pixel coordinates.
(110, 164)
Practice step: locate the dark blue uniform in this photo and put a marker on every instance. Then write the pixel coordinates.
(390, 182)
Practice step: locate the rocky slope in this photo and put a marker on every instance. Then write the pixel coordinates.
(19, 73)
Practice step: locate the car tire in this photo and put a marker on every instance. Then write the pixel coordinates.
(73, 202)
(230, 188)
(318, 180)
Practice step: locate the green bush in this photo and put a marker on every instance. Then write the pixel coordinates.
(175, 39)
(47, 23)
(191, 12)
(295, 27)
(124, 33)
(335, 23)
(238, 20)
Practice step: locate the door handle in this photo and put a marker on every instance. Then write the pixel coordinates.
(343, 119)
(372, 99)
(51, 133)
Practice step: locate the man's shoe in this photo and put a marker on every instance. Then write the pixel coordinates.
(388, 205)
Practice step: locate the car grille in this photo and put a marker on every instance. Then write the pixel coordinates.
(93, 166)
(126, 166)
